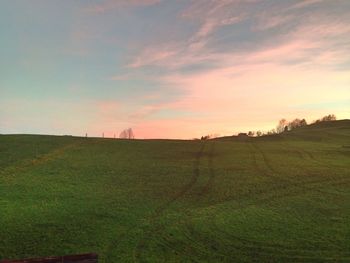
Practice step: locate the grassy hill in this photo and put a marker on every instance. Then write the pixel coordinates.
(281, 198)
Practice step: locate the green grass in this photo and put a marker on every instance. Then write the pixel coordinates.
(282, 198)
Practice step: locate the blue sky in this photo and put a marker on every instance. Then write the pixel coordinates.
(171, 69)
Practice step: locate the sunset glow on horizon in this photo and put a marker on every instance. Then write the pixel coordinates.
(171, 69)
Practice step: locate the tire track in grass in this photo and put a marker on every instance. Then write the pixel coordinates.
(199, 241)
(211, 180)
(277, 248)
(187, 187)
(269, 172)
(167, 240)
(303, 185)
(291, 188)
(247, 246)
(311, 158)
(280, 250)
(195, 237)
(297, 187)
(137, 253)
(304, 154)
(205, 190)
(265, 159)
(260, 248)
(42, 159)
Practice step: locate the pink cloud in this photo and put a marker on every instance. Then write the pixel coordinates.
(247, 89)
(223, 104)
(211, 15)
(268, 21)
(108, 5)
(217, 14)
(291, 50)
(303, 44)
(145, 111)
(152, 56)
(304, 3)
(251, 95)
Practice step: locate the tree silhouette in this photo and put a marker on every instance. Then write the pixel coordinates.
(330, 117)
(251, 133)
(282, 124)
(296, 123)
(127, 134)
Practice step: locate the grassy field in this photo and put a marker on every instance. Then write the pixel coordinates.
(282, 198)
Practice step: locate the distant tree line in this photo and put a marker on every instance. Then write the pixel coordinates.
(125, 134)
(209, 136)
(284, 126)
(330, 117)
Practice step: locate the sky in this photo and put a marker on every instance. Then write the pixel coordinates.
(171, 68)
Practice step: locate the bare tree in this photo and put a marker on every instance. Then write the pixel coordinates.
(330, 117)
(258, 133)
(296, 123)
(303, 122)
(251, 133)
(206, 137)
(282, 124)
(127, 134)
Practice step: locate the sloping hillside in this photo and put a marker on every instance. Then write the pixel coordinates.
(281, 198)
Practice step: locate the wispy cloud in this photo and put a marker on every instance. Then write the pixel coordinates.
(303, 41)
(109, 5)
(295, 60)
(305, 3)
(209, 15)
(174, 68)
(152, 56)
